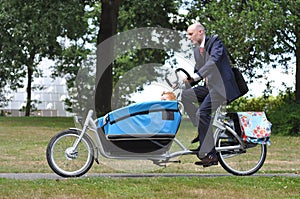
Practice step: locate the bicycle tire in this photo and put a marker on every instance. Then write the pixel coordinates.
(64, 164)
(241, 162)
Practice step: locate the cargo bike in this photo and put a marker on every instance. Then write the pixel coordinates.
(146, 131)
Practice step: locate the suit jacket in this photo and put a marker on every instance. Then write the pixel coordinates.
(217, 69)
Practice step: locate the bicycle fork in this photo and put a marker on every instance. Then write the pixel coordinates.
(72, 151)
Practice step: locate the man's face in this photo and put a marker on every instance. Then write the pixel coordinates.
(196, 36)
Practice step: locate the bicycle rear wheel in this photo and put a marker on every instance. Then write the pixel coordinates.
(241, 161)
(64, 160)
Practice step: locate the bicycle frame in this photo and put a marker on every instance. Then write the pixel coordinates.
(90, 125)
(235, 155)
(218, 123)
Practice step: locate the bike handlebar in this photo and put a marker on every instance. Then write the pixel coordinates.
(184, 71)
(177, 78)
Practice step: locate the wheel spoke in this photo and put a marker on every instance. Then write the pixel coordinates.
(241, 161)
(64, 160)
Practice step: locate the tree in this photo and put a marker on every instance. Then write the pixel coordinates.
(108, 27)
(146, 57)
(3, 98)
(120, 16)
(255, 32)
(289, 35)
(29, 32)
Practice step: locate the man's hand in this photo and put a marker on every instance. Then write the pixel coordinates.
(188, 80)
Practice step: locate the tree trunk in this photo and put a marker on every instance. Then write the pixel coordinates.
(29, 82)
(28, 90)
(298, 75)
(297, 87)
(297, 91)
(108, 28)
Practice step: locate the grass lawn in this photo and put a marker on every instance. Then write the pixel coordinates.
(177, 187)
(23, 142)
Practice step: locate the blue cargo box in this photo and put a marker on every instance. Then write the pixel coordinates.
(156, 119)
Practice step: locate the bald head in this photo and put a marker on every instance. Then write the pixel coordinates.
(196, 26)
(196, 33)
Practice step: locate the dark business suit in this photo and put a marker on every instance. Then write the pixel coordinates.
(221, 88)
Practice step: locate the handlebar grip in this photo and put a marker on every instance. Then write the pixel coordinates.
(185, 72)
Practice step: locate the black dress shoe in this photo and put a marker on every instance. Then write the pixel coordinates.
(208, 161)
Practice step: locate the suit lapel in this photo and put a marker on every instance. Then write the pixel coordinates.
(199, 58)
(206, 43)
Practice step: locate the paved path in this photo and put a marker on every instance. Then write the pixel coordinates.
(34, 176)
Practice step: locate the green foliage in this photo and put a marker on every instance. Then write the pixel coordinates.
(245, 104)
(29, 32)
(285, 116)
(142, 14)
(258, 34)
(248, 28)
(147, 13)
(132, 14)
(252, 30)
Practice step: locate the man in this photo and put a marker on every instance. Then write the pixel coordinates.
(212, 64)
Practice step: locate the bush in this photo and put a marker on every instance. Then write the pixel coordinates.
(285, 118)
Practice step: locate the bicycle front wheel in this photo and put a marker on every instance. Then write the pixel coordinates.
(66, 161)
(241, 161)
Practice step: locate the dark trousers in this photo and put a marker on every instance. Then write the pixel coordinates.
(192, 98)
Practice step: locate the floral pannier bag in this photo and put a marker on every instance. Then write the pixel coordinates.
(255, 127)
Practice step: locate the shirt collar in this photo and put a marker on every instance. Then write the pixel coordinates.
(203, 42)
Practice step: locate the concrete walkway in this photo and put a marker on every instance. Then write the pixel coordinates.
(34, 176)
